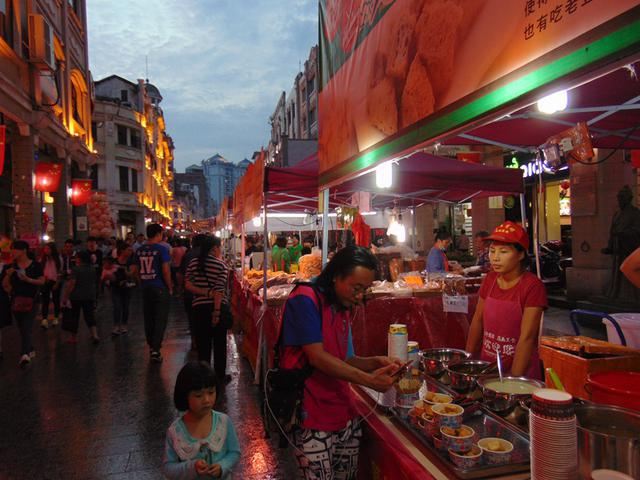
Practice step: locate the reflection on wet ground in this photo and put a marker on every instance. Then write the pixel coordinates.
(101, 411)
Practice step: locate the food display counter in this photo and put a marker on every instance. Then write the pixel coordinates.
(390, 450)
(425, 318)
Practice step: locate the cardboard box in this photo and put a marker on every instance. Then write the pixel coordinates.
(573, 370)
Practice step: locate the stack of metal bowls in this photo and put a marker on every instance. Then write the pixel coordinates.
(434, 361)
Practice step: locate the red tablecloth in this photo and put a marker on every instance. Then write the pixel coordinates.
(383, 454)
(426, 322)
(425, 319)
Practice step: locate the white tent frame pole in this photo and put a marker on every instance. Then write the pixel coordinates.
(325, 226)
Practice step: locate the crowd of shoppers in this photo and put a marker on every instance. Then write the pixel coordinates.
(60, 287)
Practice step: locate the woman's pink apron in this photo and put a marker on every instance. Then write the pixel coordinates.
(502, 320)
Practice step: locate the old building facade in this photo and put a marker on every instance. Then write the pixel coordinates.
(135, 153)
(45, 114)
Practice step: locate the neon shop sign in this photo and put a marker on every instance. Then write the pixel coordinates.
(530, 169)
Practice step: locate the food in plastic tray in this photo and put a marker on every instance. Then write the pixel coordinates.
(278, 292)
(454, 285)
(412, 279)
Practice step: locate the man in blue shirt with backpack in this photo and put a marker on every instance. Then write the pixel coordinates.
(153, 268)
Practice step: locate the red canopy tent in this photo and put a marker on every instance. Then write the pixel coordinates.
(421, 178)
(610, 105)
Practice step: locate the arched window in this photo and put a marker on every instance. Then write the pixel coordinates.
(79, 99)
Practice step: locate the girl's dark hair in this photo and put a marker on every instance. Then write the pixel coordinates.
(343, 264)
(54, 255)
(206, 244)
(193, 376)
(281, 241)
(121, 246)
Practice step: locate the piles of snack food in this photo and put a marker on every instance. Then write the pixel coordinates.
(309, 266)
(255, 279)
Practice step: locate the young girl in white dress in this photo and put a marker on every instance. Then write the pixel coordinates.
(202, 443)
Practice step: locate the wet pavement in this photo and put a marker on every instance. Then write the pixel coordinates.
(101, 411)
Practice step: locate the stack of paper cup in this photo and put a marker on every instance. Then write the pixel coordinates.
(412, 353)
(554, 438)
(397, 341)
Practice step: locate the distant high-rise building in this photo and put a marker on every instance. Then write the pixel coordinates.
(222, 177)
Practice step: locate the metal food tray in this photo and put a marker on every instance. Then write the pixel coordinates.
(486, 424)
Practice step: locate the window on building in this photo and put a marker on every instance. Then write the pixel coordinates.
(6, 21)
(134, 180)
(312, 116)
(76, 104)
(311, 85)
(135, 138)
(94, 131)
(93, 175)
(124, 95)
(76, 6)
(124, 179)
(122, 135)
(79, 99)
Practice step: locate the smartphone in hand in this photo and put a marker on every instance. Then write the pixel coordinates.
(403, 369)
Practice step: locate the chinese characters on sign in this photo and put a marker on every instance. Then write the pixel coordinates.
(492, 343)
(455, 304)
(543, 14)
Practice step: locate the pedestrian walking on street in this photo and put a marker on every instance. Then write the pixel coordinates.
(5, 304)
(80, 296)
(51, 264)
(207, 279)
(152, 267)
(22, 282)
(201, 443)
(187, 296)
(122, 284)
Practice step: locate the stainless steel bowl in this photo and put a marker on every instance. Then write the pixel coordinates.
(503, 403)
(465, 373)
(608, 437)
(435, 360)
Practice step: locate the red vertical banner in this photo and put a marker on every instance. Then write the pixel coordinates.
(80, 192)
(48, 176)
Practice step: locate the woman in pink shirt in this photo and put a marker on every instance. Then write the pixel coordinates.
(52, 267)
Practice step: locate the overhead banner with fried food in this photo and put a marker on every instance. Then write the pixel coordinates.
(387, 65)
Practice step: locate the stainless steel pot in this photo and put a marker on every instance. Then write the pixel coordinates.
(608, 437)
(464, 373)
(503, 403)
(435, 360)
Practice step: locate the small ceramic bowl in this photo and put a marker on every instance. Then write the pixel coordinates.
(466, 460)
(491, 455)
(448, 414)
(458, 439)
(428, 424)
(433, 398)
(438, 443)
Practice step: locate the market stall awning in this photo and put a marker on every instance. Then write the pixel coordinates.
(610, 105)
(421, 178)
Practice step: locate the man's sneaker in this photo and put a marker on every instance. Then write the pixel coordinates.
(54, 322)
(24, 360)
(44, 324)
(32, 354)
(156, 357)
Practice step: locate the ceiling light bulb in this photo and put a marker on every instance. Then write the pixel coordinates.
(384, 175)
(553, 103)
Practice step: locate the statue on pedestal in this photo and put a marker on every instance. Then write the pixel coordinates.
(624, 238)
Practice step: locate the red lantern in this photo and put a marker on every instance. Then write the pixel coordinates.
(48, 176)
(3, 136)
(80, 192)
(565, 185)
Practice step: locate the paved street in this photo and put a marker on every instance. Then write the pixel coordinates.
(93, 412)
